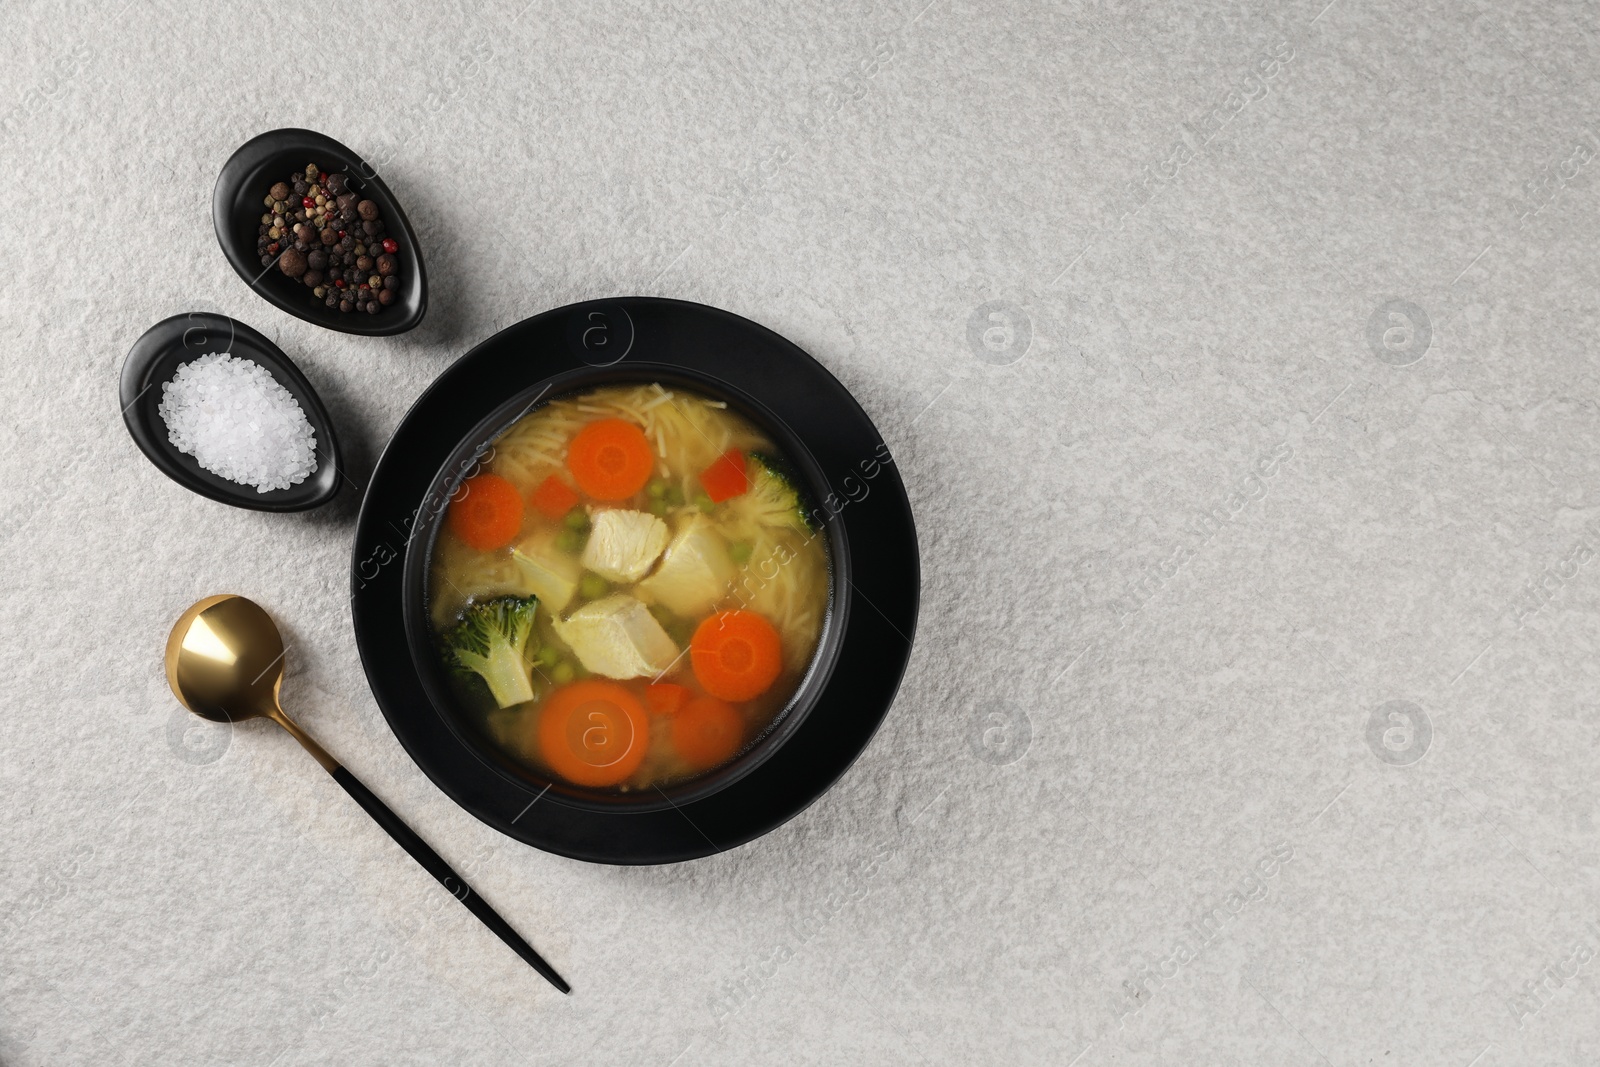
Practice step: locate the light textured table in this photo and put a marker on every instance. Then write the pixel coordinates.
(1239, 359)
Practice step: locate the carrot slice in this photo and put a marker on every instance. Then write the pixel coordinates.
(736, 655)
(486, 512)
(725, 477)
(665, 698)
(707, 732)
(593, 732)
(610, 459)
(554, 497)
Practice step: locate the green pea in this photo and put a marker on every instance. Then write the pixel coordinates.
(563, 673)
(592, 587)
(570, 542)
(675, 496)
(548, 657)
(739, 552)
(658, 508)
(657, 489)
(577, 519)
(705, 504)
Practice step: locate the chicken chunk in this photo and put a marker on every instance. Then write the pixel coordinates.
(623, 545)
(618, 637)
(695, 572)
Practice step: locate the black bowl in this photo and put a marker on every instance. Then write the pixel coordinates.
(866, 641)
(236, 207)
(155, 358)
(466, 461)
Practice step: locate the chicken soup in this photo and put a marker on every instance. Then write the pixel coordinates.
(631, 590)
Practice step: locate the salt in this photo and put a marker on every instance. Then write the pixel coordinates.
(238, 422)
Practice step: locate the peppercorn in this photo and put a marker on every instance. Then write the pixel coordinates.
(311, 226)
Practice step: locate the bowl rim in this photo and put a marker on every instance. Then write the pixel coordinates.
(464, 460)
(235, 203)
(152, 361)
(866, 497)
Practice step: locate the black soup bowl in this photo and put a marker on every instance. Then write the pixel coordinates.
(856, 494)
(236, 207)
(476, 450)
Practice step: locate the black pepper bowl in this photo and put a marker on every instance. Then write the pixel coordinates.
(236, 208)
(866, 641)
(155, 358)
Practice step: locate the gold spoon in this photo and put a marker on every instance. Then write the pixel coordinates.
(225, 663)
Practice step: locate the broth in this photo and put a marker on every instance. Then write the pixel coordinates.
(631, 590)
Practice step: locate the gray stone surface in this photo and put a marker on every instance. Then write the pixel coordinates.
(1090, 298)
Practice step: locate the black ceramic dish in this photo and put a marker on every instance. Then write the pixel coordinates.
(236, 207)
(155, 358)
(464, 462)
(868, 521)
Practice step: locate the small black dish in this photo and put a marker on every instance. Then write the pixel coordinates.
(236, 206)
(155, 358)
(872, 537)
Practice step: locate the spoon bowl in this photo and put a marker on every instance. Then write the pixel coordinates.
(225, 663)
(207, 664)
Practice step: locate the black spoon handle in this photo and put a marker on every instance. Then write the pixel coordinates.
(407, 839)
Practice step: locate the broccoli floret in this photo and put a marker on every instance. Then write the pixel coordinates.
(491, 641)
(774, 497)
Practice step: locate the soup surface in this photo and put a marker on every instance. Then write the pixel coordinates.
(630, 590)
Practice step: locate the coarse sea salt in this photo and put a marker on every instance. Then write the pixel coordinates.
(238, 422)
